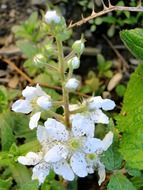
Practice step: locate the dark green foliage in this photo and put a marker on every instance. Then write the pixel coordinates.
(130, 121)
(120, 182)
(133, 39)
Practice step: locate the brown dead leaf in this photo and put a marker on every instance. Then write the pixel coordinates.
(106, 94)
(9, 39)
(13, 82)
(114, 81)
(10, 50)
(3, 73)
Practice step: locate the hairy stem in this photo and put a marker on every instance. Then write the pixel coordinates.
(62, 72)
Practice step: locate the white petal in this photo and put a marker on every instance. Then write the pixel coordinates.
(34, 120)
(39, 91)
(31, 158)
(40, 172)
(22, 106)
(73, 107)
(95, 102)
(108, 104)
(101, 173)
(82, 125)
(92, 145)
(44, 102)
(99, 117)
(42, 134)
(56, 153)
(90, 169)
(62, 168)
(78, 164)
(56, 130)
(29, 92)
(107, 141)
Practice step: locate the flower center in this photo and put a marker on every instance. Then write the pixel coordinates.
(74, 144)
(91, 156)
(33, 102)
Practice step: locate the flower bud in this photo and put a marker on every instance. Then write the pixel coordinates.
(78, 47)
(52, 17)
(39, 60)
(72, 84)
(74, 62)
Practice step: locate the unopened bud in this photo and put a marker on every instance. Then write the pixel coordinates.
(74, 62)
(52, 17)
(72, 84)
(78, 47)
(39, 60)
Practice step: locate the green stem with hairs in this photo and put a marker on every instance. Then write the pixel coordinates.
(62, 73)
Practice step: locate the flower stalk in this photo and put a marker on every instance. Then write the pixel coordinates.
(62, 72)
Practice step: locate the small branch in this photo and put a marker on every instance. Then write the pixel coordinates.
(124, 62)
(18, 71)
(106, 10)
(55, 115)
(32, 82)
(104, 184)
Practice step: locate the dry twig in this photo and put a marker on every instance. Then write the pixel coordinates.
(106, 10)
(32, 82)
(124, 62)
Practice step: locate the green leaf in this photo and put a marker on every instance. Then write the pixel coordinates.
(98, 21)
(56, 185)
(30, 69)
(112, 158)
(5, 184)
(3, 98)
(72, 185)
(32, 21)
(120, 182)
(21, 127)
(120, 90)
(51, 184)
(109, 19)
(7, 136)
(27, 47)
(133, 172)
(100, 59)
(111, 30)
(27, 147)
(138, 182)
(28, 29)
(32, 185)
(130, 121)
(20, 173)
(133, 39)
